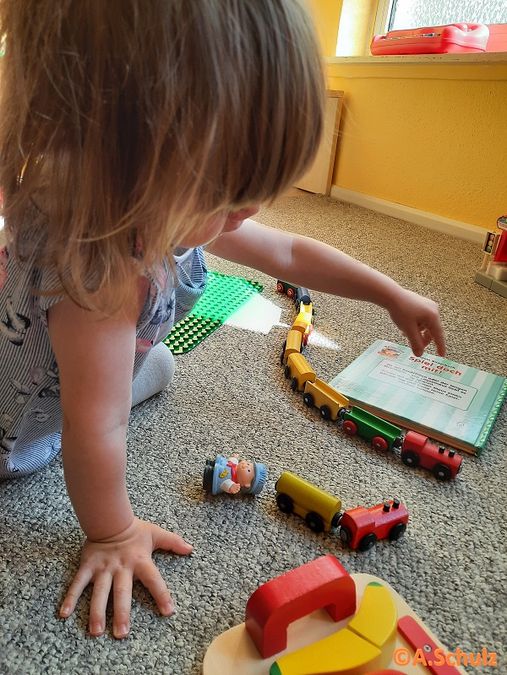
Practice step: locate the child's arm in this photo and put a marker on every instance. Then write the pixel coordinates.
(95, 357)
(307, 262)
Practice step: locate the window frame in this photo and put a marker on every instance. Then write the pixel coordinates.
(383, 17)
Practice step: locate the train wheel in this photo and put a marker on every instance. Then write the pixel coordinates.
(285, 503)
(345, 535)
(279, 287)
(350, 427)
(367, 542)
(441, 472)
(336, 519)
(309, 400)
(410, 458)
(294, 383)
(325, 412)
(282, 353)
(379, 443)
(286, 371)
(314, 521)
(397, 531)
(291, 293)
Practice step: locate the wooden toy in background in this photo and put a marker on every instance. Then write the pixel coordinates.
(418, 450)
(295, 293)
(303, 323)
(360, 528)
(320, 584)
(340, 624)
(493, 271)
(380, 434)
(415, 449)
(422, 643)
(447, 401)
(320, 509)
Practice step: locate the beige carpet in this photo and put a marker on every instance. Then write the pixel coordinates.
(230, 395)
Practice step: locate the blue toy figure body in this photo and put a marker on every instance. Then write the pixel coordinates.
(233, 475)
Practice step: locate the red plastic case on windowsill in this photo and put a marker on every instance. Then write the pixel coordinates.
(453, 38)
(497, 37)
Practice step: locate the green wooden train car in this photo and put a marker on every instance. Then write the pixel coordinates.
(382, 434)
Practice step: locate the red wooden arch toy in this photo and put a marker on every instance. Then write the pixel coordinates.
(320, 584)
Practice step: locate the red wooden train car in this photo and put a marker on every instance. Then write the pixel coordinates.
(418, 450)
(360, 528)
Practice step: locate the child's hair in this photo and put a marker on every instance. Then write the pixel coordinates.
(130, 121)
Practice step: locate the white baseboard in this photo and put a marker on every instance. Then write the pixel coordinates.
(431, 220)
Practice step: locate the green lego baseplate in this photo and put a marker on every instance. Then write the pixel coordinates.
(224, 294)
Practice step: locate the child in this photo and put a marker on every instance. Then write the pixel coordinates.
(133, 133)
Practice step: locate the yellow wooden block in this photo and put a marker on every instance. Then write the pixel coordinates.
(342, 652)
(376, 617)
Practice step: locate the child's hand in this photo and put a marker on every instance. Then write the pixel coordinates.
(112, 565)
(418, 318)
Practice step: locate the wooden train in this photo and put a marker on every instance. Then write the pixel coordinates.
(360, 528)
(415, 449)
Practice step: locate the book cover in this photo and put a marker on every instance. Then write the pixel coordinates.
(448, 401)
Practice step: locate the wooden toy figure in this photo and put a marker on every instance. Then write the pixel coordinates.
(233, 475)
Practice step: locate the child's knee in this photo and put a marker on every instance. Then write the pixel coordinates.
(155, 375)
(165, 362)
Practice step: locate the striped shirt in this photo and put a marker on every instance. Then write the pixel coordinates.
(30, 410)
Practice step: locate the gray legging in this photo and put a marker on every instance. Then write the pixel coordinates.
(156, 373)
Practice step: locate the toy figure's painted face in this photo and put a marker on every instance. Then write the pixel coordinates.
(245, 473)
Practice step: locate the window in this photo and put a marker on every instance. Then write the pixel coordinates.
(361, 19)
(399, 14)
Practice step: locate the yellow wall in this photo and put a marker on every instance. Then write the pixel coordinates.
(326, 16)
(431, 136)
(356, 24)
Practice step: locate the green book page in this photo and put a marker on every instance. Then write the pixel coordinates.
(437, 393)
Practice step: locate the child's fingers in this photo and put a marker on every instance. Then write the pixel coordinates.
(438, 336)
(427, 337)
(122, 594)
(101, 589)
(416, 341)
(169, 541)
(150, 577)
(79, 583)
